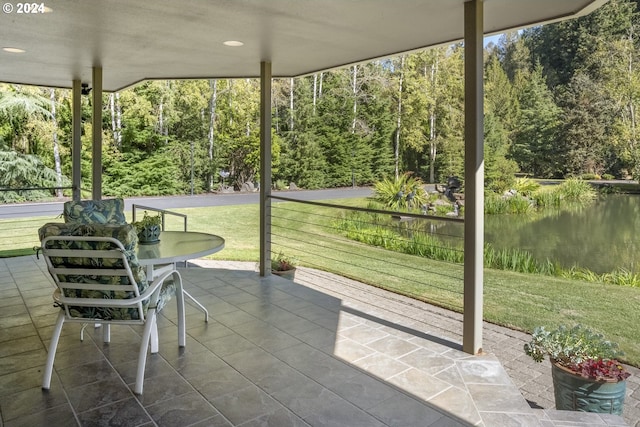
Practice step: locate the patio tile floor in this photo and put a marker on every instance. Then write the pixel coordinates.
(320, 351)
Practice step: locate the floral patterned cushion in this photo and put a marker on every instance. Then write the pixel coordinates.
(126, 234)
(109, 211)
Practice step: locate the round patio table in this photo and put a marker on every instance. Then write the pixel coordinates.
(178, 246)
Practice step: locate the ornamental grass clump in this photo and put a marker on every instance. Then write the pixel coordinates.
(577, 190)
(579, 350)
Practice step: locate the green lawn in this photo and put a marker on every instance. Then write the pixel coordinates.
(511, 299)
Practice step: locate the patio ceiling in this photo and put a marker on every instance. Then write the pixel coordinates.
(162, 39)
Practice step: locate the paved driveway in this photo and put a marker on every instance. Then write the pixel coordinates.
(19, 210)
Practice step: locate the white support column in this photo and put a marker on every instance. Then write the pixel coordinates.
(473, 176)
(76, 143)
(265, 168)
(96, 158)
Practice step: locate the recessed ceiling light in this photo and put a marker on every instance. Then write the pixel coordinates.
(13, 50)
(233, 43)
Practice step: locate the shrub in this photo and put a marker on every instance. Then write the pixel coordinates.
(526, 186)
(608, 176)
(496, 204)
(576, 190)
(406, 192)
(26, 170)
(280, 185)
(587, 176)
(547, 197)
(519, 204)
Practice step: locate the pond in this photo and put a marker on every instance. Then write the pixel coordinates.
(602, 236)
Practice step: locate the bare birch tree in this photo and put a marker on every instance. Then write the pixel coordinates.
(213, 101)
(315, 88)
(433, 146)
(118, 135)
(116, 119)
(56, 147)
(291, 104)
(396, 148)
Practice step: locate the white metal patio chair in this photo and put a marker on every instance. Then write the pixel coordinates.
(99, 280)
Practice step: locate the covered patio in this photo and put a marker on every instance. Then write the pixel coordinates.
(95, 46)
(321, 351)
(276, 353)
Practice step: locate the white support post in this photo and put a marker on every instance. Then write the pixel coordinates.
(76, 143)
(474, 177)
(96, 176)
(265, 168)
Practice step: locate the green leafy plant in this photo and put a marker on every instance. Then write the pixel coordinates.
(577, 190)
(281, 262)
(515, 204)
(579, 349)
(588, 176)
(547, 197)
(526, 186)
(406, 192)
(148, 221)
(622, 277)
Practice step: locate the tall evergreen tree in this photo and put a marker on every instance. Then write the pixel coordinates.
(501, 115)
(536, 147)
(22, 108)
(584, 134)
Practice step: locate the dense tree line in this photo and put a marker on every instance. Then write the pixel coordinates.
(560, 100)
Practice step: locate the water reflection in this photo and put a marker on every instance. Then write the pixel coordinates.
(602, 236)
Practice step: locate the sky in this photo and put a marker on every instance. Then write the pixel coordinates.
(492, 39)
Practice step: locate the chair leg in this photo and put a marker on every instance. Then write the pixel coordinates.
(180, 301)
(154, 338)
(142, 355)
(48, 370)
(106, 333)
(84, 325)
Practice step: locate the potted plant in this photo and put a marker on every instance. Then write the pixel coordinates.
(149, 228)
(283, 266)
(586, 375)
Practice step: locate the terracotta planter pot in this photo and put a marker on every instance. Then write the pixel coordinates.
(576, 393)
